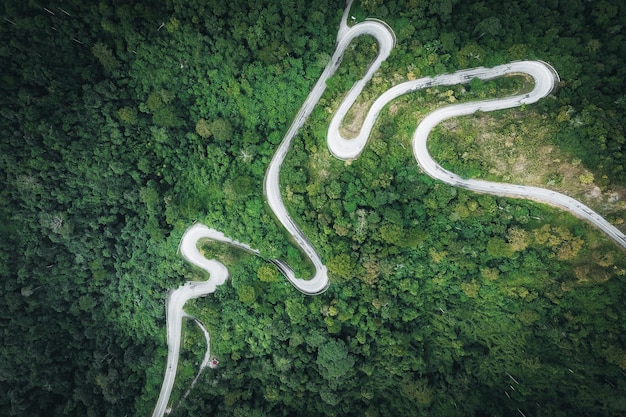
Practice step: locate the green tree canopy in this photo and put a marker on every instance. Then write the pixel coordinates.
(222, 130)
(334, 360)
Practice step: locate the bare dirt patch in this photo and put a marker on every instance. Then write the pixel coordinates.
(351, 124)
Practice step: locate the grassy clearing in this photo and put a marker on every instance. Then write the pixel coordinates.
(517, 146)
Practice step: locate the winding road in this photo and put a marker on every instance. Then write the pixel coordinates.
(545, 79)
(271, 186)
(176, 299)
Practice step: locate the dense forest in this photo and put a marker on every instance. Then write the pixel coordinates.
(124, 122)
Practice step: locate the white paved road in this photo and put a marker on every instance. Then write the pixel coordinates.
(545, 78)
(544, 75)
(192, 289)
(386, 41)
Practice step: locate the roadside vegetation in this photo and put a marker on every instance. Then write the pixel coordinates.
(124, 123)
(517, 147)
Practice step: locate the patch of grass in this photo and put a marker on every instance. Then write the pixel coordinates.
(517, 146)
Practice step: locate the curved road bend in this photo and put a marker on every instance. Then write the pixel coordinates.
(176, 300)
(545, 79)
(386, 41)
(544, 75)
(542, 195)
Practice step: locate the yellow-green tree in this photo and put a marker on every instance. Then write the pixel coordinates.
(203, 129)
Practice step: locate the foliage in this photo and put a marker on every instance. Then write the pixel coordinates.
(123, 123)
(203, 129)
